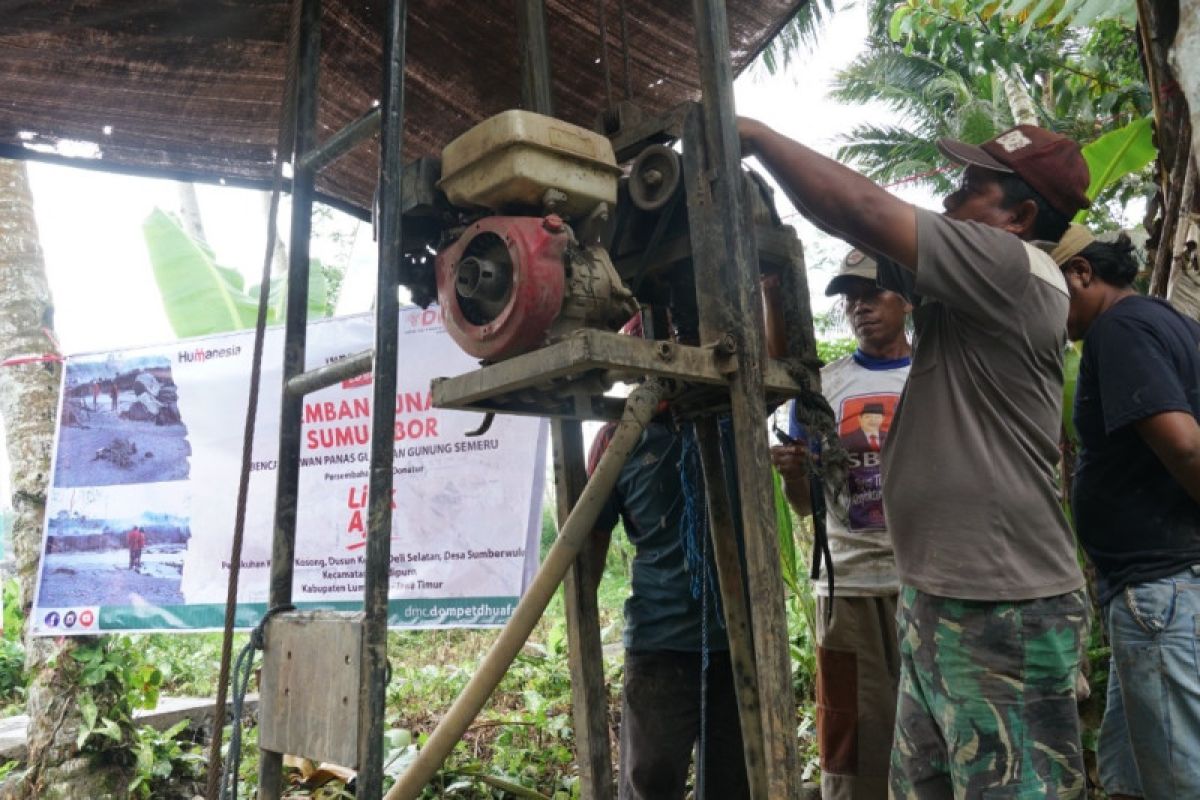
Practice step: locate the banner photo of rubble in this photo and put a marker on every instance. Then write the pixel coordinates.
(119, 423)
(140, 514)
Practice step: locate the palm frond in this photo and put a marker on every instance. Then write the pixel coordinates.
(887, 75)
(797, 36)
(891, 154)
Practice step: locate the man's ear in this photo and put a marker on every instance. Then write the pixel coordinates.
(1078, 270)
(1024, 220)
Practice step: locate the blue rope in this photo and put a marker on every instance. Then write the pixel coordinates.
(239, 681)
(694, 536)
(693, 523)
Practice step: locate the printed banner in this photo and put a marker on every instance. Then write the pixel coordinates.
(140, 513)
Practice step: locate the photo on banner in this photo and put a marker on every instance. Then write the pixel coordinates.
(140, 514)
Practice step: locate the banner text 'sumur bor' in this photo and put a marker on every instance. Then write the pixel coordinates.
(141, 507)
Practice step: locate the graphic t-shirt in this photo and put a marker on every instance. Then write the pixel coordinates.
(863, 393)
(972, 488)
(1135, 521)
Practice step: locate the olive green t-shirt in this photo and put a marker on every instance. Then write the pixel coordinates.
(969, 483)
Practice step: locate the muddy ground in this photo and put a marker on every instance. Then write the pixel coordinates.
(103, 578)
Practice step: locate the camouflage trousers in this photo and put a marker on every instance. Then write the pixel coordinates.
(987, 698)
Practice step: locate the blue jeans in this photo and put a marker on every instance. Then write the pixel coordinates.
(1150, 737)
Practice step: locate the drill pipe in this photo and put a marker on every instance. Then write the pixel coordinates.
(640, 407)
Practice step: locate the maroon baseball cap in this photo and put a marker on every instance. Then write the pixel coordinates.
(1050, 163)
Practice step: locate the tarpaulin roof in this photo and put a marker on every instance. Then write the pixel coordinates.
(191, 88)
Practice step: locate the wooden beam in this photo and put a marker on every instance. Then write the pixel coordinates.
(589, 697)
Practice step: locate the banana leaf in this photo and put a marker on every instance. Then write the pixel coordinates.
(199, 295)
(788, 561)
(318, 295)
(1117, 154)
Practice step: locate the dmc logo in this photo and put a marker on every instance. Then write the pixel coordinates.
(200, 354)
(426, 318)
(52, 619)
(86, 618)
(69, 619)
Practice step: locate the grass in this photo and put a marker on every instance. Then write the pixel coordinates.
(521, 745)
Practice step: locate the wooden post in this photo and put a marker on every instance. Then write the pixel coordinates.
(283, 547)
(733, 601)
(589, 699)
(726, 266)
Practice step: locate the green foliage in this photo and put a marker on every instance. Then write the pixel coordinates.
(795, 548)
(1071, 359)
(798, 34)
(13, 679)
(1117, 154)
(947, 68)
(164, 762)
(789, 566)
(112, 675)
(14, 620)
(549, 531)
(202, 297)
(188, 661)
(1077, 13)
(830, 350)
(199, 295)
(523, 743)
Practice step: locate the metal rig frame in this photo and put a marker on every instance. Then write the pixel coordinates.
(730, 360)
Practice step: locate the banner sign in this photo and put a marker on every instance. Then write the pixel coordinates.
(140, 513)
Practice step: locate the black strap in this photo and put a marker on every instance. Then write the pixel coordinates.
(821, 552)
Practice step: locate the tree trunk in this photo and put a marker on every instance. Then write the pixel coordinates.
(189, 207)
(280, 264)
(28, 399)
(1024, 112)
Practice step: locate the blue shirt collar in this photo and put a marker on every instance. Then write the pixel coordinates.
(872, 363)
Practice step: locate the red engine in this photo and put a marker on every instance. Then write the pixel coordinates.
(508, 284)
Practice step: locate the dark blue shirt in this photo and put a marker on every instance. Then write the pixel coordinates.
(1134, 520)
(661, 612)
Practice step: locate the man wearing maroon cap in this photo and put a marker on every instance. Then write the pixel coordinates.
(991, 611)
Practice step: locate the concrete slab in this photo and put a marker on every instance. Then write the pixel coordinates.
(170, 710)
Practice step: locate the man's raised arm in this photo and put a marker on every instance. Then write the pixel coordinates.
(835, 196)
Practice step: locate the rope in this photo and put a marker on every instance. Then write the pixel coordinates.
(242, 673)
(693, 521)
(36, 358)
(694, 532)
(31, 358)
(812, 413)
(284, 145)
